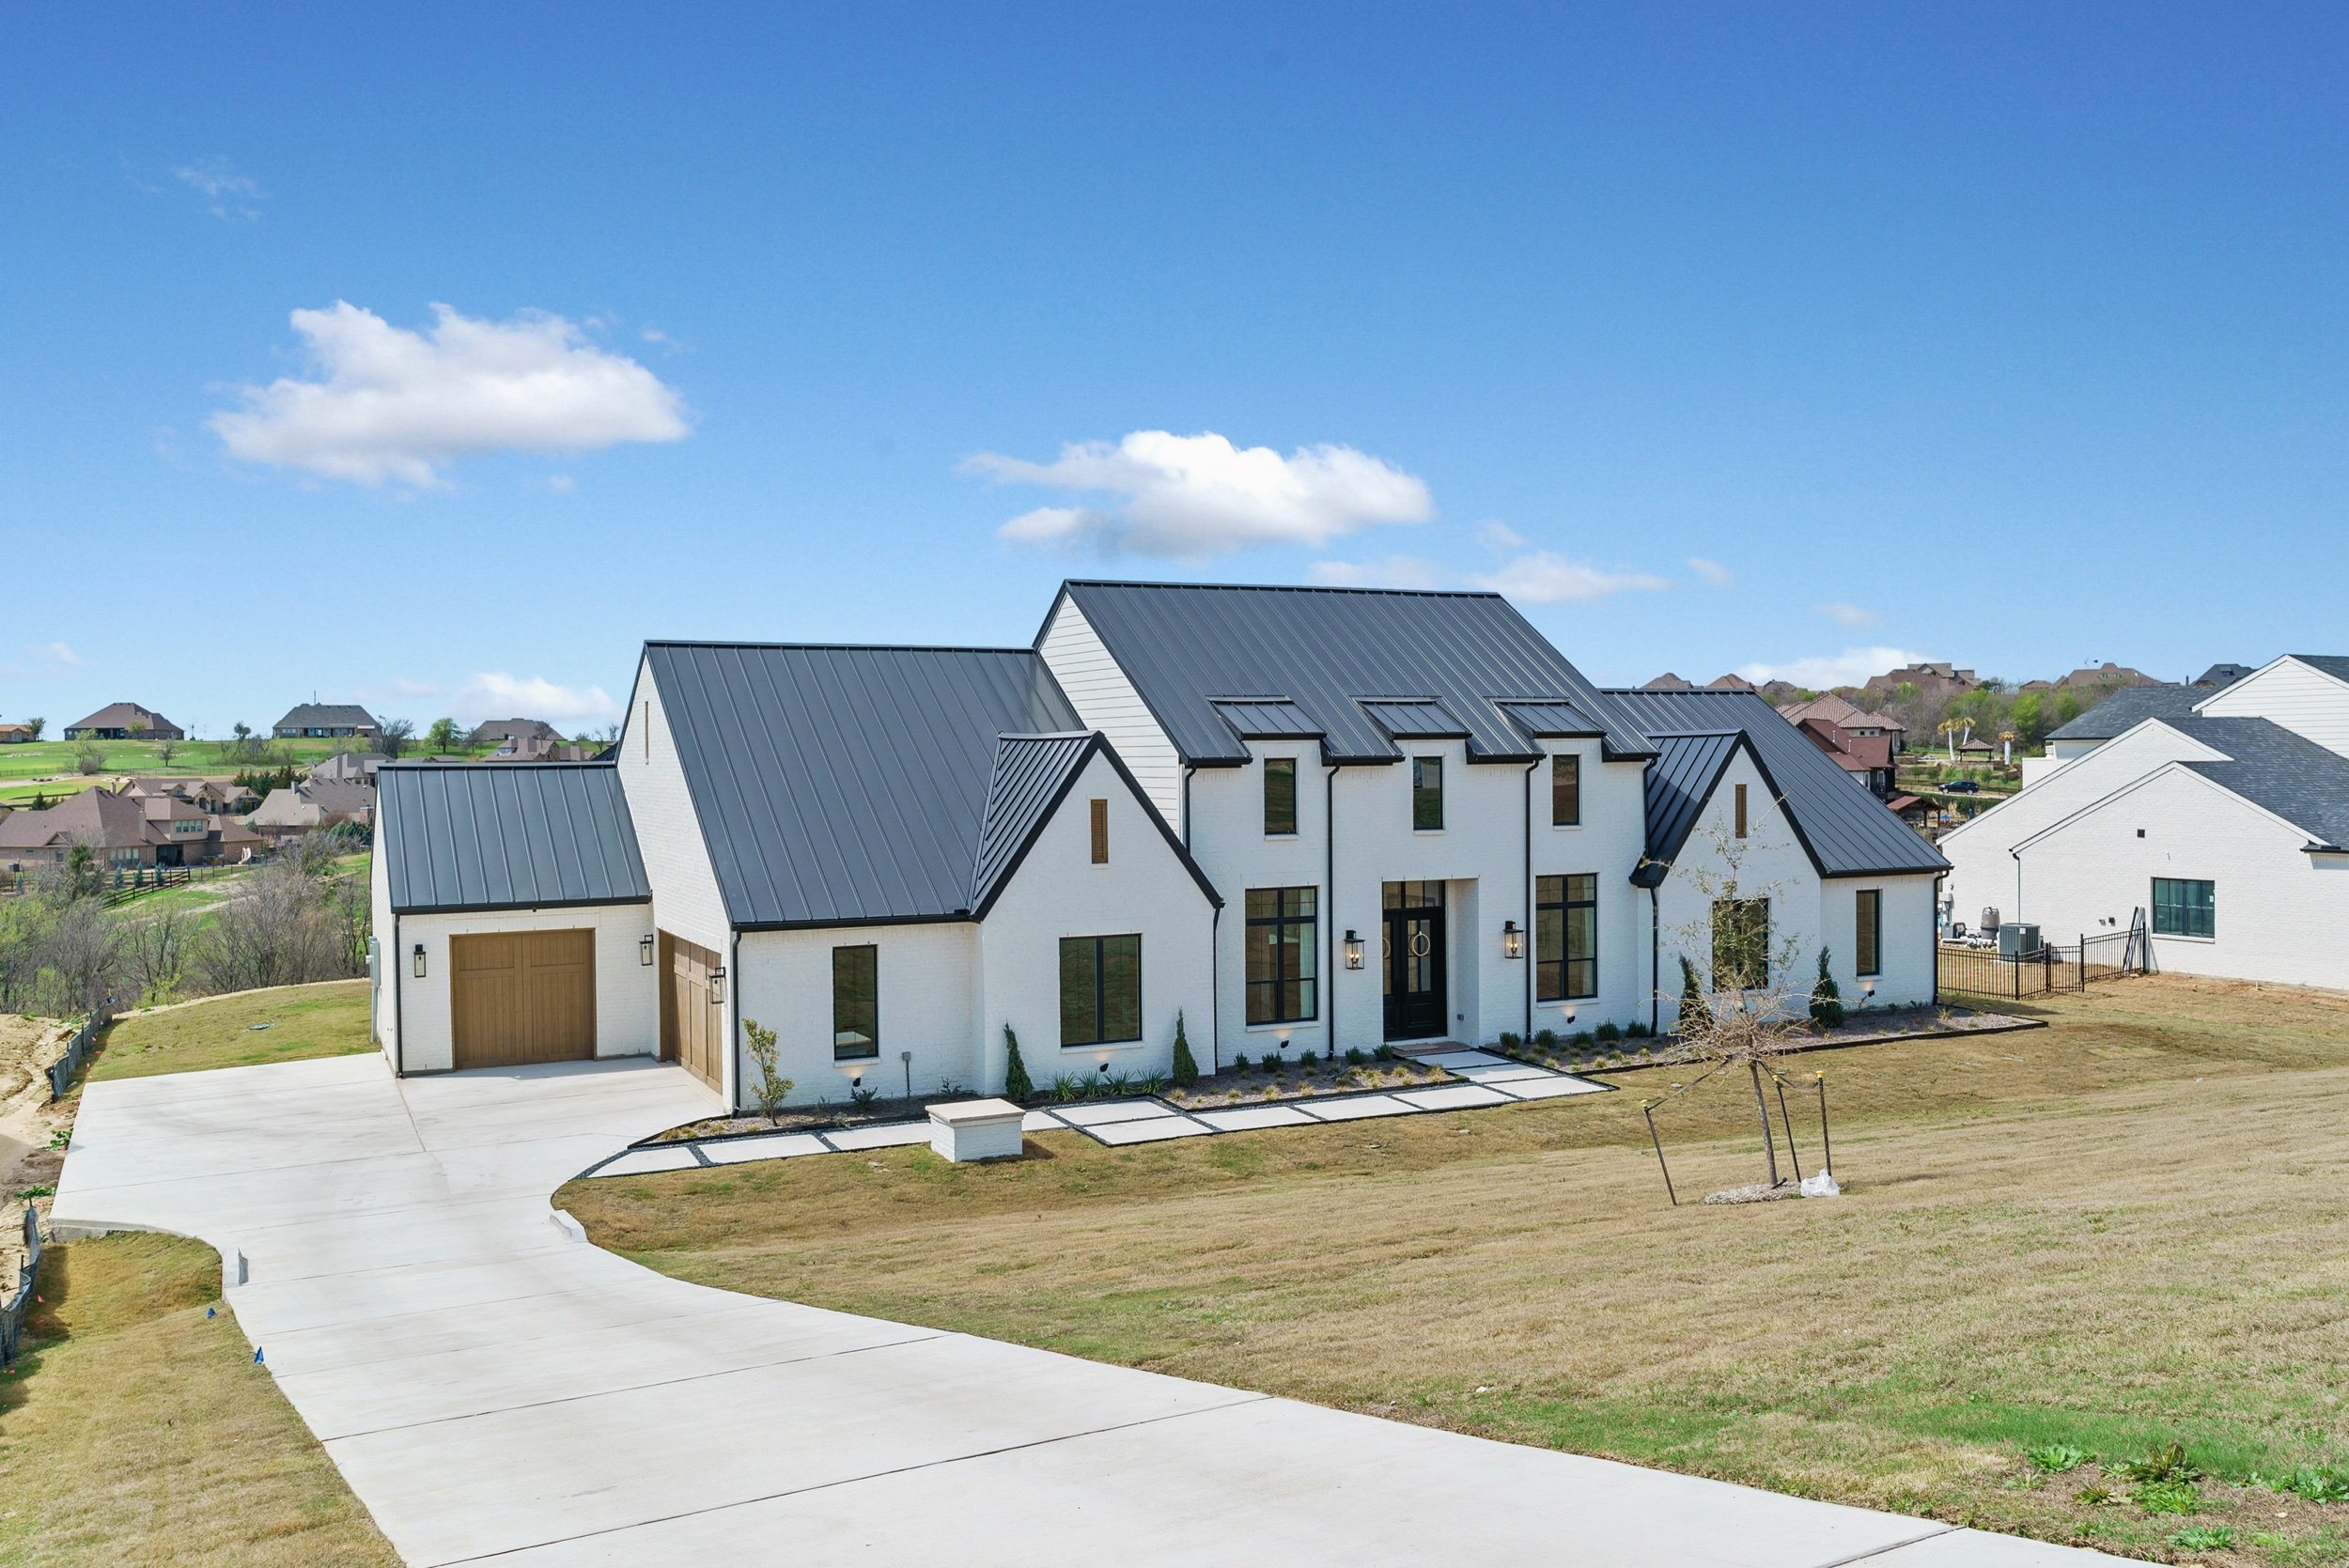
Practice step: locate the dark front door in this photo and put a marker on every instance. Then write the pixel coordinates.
(1412, 956)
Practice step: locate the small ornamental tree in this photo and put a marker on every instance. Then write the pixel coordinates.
(1186, 1066)
(1694, 1015)
(1017, 1085)
(769, 1091)
(1827, 1002)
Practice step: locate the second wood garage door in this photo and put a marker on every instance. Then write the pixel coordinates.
(522, 996)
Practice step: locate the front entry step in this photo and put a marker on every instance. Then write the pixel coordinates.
(1429, 1048)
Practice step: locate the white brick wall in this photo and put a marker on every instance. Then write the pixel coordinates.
(627, 1018)
(685, 898)
(929, 990)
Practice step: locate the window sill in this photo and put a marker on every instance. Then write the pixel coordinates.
(1106, 1045)
(1287, 1024)
(2181, 936)
(1426, 832)
(1565, 827)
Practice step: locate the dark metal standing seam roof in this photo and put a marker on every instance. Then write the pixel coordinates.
(1847, 831)
(1679, 781)
(2129, 707)
(844, 784)
(1262, 717)
(1184, 645)
(1552, 720)
(1415, 721)
(532, 835)
(1029, 773)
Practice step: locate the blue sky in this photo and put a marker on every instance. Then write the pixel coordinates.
(1717, 337)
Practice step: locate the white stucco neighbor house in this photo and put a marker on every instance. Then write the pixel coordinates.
(1295, 819)
(2219, 826)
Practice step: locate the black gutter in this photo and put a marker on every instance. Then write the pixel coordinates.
(1532, 960)
(1654, 958)
(399, 1034)
(734, 1021)
(1330, 898)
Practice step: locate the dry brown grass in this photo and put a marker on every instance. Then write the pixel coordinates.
(137, 1431)
(2121, 1228)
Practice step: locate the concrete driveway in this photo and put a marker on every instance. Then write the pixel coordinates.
(494, 1388)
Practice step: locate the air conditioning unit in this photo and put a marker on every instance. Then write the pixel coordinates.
(2018, 939)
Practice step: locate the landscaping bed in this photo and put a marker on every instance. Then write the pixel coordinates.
(1601, 1051)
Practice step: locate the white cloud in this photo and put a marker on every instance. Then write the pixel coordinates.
(1499, 536)
(1848, 615)
(1395, 571)
(388, 403)
(496, 694)
(58, 653)
(227, 194)
(1852, 667)
(1711, 571)
(1545, 577)
(1191, 496)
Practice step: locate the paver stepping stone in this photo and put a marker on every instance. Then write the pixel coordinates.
(1355, 1107)
(782, 1146)
(1248, 1117)
(1042, 1121)
(1452, 1061)
(1149, 1129)
(1550, 1089)
(1507, 1073)
(639, 1162)
(1458, 1097)
(1116, 1110)
(890, 1136)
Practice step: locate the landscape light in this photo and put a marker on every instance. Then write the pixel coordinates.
(1512, 940)
(419, 961)
(1353, 950)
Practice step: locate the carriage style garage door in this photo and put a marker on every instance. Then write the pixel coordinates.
(522, 996)
(692, 1027)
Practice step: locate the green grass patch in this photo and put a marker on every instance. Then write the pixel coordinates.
(302, 1022)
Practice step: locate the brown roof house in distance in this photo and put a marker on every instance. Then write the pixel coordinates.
(291, 813)
(124, 721)
(115, 825)
(325, 722)
(493, 731)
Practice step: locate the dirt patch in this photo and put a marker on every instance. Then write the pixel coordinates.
(28, 1125)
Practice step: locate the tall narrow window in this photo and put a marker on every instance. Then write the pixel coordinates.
(1100, 990)
(1101, 832)
(1741, 811)
(1741, 944)
(1427, 792)
(1868, 931)
(1565, 791)
(2182, 908)
(1280, 796)
(855, 1004)
(1566, 937)
(1282, 945)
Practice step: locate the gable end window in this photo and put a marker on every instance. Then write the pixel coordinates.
(1427, 794)
(2182, 908)
(1283, 946)
(1280, 797)
(1867, 942)
(1565, 791)
(1566, 937)
(1101, 832)
(1100, 990)
(855, 1004)
(1741, 811)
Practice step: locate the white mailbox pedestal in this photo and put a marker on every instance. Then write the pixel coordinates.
(976, 1129)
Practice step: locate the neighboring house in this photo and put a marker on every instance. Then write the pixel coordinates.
(348, 768)
(216, 797)
(1931, 680)
(493, 731)
(1848, 717)
(1669, 682)
(1868, 758)
(529, 748)
(15, 735)
(291, 813)
(2106, 675)
(115, 825)
(2221, 830)
(124, 721)
(1294, 820)
(1728, 683)
(2116, 715)
(325, 722)
(2222, 675)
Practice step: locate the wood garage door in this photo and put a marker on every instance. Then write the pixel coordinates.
(692, 1027)
(522, 996)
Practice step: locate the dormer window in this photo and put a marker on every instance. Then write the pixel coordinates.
(1280, 797)
(1427, 794)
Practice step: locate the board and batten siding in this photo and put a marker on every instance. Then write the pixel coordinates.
(2302, 699)
(685, 898)
(1105, 699)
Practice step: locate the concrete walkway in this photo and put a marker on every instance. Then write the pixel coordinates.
(494, 1388)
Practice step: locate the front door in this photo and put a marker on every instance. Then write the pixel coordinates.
(1412, 956)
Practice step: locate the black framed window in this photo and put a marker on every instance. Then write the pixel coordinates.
(2184, 909)
(1868, 931)
(1280, 796)
(1282, 943)
(1741, 943)
(1566, 937)
(1565, 791)
(1427, 792)
(855, 1004)
(1100, 990)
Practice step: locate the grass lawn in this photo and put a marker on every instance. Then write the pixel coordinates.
(305, 1021)
(2121, 1229)
(135, 1429)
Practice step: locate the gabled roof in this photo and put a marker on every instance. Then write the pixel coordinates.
(326, 716)
(835, 785)
(1188, 646)
(1841, 712)
(124, 715)
(1845, 830)
(99, 817)
(538, 835)
(2335, 665)
(1679, 781)
(1267, 717)
(1550, 721)
(1416, 721)
(2279, 771)
(1033, 774)
(2129, 707)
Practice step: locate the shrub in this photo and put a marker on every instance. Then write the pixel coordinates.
(1272, 1063)
(1186, 1066)
(1116, 1084)
(861, 1095)
(769, 1091)
(1354, 1057)
(1384, 1053)
(1608, 1033)
(1505, 1040)
(1827, 1002)
(1545, 1038)
(1151, 1083)
(1239, 1061)
(1067, 1087)
(1636, 1031)
(1694, 1016)
(1017, 1085)
(2056, 1458)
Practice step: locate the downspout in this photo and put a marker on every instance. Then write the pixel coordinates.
(1533, 960)
(1188, 769)
(734, 1019)
(1214, 990)
(1933, 946)
(1329, 897)
(400, 988)
(1655, 957)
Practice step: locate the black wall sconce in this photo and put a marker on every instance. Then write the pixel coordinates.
(644, 950)
(1512, 940)
(416, 962)
(717, 986)
(1353, 950)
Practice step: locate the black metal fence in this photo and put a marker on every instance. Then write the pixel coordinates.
(12, 1315)
(61, 1071)
(1975, 971)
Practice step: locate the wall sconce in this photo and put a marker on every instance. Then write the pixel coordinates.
(1353, 950)
(1868, 987)
(644, 950)
(717, 986)
(416, 962)
(1512, 940)
(1569, 1013)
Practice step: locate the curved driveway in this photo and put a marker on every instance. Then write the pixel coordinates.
(494, 1388)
